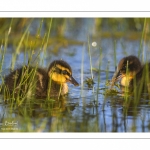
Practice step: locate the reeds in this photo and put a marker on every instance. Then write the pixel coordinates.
(23, 93)
(55, 113)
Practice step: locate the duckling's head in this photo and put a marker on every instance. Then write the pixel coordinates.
(127, 68)
(61, 72)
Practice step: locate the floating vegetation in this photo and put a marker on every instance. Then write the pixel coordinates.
(109, 82)
(90, 82)
(111, 90)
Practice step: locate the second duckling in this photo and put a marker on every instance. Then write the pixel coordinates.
(133, 74)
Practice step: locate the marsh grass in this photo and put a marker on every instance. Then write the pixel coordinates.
(27, 78)
(22, 95)
(141, 50)
(29, 108)
(91, 70)
(115, 61)
(89, 51)
(99, 68)
(19, 46)
(7, 33)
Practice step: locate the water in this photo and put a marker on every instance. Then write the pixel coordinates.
(81, 111)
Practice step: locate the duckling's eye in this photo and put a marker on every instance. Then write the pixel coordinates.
(59, 71)
(124, 68)
(64, 72)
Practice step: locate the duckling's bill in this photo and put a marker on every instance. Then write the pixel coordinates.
(73, 81)
(115, 78)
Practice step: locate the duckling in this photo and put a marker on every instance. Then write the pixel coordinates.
(38, 82)
(132, 74)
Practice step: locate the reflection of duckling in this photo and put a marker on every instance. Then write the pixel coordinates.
(131, 73)
(41, 83)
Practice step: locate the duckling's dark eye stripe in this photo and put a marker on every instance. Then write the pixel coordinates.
(62, 71)
(123, 68)
(57, 70)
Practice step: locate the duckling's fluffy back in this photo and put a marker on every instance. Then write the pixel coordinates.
(33, 80)
(142, 79)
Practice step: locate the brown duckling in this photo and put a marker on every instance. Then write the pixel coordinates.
(133, 74)
(37, 82)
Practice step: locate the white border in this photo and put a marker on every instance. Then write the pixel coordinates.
(74, 5)
(73, 14)
(73, 135)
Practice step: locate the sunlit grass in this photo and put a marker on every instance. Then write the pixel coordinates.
(33, 110)
(22, 93)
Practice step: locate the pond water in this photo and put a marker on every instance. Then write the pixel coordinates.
(86, 109)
